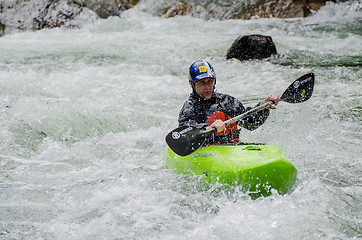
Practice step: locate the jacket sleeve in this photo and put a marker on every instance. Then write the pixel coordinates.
(188, 117)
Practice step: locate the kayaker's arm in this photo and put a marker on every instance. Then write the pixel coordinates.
(188, 117)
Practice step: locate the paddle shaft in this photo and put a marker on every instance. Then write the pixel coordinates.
(248, 113)
(241, 117)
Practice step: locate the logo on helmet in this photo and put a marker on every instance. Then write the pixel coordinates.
(202, 69)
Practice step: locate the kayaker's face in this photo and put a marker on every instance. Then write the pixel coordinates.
(204, 88)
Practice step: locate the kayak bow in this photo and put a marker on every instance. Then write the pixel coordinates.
(256, 168)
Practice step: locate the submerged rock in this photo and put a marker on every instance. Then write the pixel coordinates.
(252, 47)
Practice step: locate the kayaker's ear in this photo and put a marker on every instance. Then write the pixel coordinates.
(192, 84)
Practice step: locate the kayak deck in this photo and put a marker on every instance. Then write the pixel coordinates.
(256, 168)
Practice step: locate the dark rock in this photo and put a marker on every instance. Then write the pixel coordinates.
(251, 47)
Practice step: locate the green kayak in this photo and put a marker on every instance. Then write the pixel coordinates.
(256, 168)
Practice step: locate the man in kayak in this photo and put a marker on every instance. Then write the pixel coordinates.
(206, 108)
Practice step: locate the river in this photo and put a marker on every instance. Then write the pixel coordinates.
(84, 113)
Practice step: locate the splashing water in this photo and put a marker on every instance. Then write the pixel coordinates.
(84, 113)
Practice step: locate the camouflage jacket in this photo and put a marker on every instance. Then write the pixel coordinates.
(196, 111)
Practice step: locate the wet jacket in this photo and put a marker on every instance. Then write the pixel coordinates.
(196, 111)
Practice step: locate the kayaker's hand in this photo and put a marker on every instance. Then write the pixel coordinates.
(218, 124)
(274, 99)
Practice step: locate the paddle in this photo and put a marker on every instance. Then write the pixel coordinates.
(185, 140)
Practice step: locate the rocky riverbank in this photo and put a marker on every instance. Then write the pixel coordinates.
(38, 14)
(18, 15)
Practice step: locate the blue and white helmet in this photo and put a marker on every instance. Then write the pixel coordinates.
(201, 69)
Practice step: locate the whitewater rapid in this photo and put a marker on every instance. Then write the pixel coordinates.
(84, 113)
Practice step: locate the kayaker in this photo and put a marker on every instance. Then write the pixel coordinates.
(207, 108)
